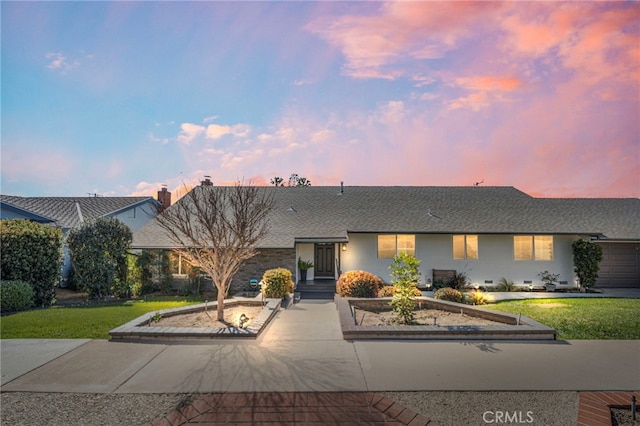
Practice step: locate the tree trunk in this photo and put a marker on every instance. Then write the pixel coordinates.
(220, 304)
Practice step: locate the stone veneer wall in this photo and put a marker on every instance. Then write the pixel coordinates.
(257, 265)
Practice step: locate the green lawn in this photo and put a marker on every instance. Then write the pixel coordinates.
(86, 322)
(592, 318)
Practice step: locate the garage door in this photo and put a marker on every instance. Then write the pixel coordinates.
(620, 266)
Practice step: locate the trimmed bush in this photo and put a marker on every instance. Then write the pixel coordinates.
(32, 252)
(587, 256)
(450, 294)
(99, 256)
(358, 284)
(15, 296)
(278, 283)
(388, 290)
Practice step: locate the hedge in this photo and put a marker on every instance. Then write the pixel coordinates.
(32, 252)
(15, 296)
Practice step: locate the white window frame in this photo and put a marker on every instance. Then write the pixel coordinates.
(396, 250)
(537, 247)
(466, 240)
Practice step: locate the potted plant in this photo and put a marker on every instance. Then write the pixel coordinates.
(304, 266)
(549, 280)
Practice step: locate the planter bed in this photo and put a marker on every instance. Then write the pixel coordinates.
(142, 328)
(507, 329)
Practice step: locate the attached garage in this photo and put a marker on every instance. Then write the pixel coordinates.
(620, 266)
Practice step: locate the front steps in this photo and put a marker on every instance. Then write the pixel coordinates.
(316, 289)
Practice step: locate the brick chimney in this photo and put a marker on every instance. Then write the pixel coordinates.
(164, 197)
(206, 181)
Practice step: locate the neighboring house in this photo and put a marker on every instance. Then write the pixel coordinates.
(485, 232)
(69, 212)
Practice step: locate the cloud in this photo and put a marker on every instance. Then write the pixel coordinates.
(373, 45)
(490, 83)
(58, 61)
(189, 132)
(486, 90)
(216, 131)
(157, 139)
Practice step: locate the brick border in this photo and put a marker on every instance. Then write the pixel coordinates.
(289, 408)
(595, 407)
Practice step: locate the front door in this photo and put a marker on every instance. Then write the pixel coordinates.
(324, 262)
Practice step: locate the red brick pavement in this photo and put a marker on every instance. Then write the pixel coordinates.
(595, 407)
(289, 408)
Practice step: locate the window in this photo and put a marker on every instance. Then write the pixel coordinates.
(533, 247)
(177, 264)
(390, 244)
(465, 247)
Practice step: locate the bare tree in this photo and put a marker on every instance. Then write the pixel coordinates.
(217, 228)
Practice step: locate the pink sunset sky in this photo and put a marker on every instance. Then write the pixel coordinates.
(120, 98)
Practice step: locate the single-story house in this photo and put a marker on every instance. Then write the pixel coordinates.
(485, 232)
(69, 212)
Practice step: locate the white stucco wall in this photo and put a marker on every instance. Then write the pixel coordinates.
(495, 258)
(306, 252)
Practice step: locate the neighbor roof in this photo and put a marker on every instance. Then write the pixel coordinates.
(325, 214)
(68, 212)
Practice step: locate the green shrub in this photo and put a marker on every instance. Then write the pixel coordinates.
(459, 281)
(15, 296)
(387, 291)
(32, 252)
(99, 256)
(278, 283)
(358, 284)
(506, 285)
(587, 256)
(439, 283)
(450, 294)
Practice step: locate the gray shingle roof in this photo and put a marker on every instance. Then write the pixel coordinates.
(316, 213)
(64, 210)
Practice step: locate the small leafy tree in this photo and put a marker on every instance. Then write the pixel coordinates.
(404, 276)
(32, 252)
(99, 256)
(217, 228)
(587, 256)
(277, 181)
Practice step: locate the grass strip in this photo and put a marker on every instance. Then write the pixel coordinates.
(581, 318)
(79, 322)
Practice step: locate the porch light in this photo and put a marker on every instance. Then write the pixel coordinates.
(344, 246)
